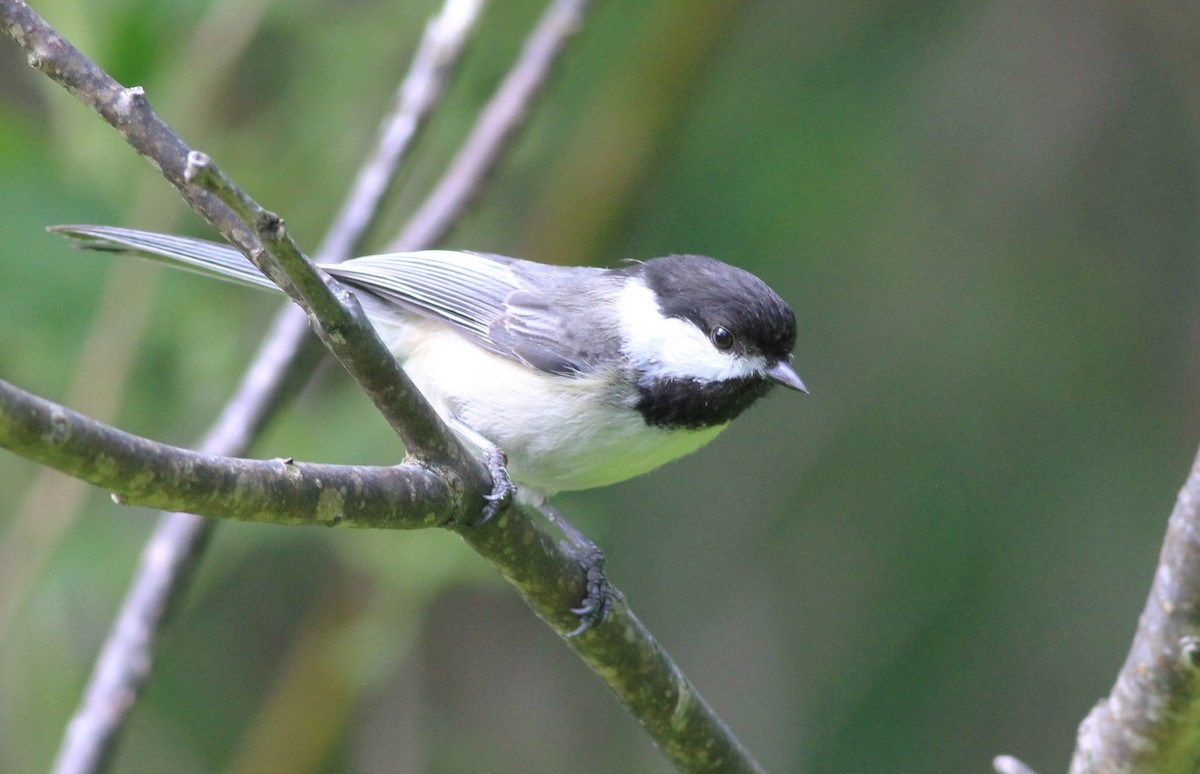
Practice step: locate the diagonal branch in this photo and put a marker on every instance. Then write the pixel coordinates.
(422, 88)
(1151, 720)
(335, 314)
(497, 123)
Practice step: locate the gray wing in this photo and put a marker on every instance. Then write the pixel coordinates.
(533, 313)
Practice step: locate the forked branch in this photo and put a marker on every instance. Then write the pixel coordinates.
(622, 652)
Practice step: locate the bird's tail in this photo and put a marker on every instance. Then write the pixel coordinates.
(195, 255)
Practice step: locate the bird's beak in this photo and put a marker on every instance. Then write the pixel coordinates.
(782, 372)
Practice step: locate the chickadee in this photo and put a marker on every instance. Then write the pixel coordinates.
(582, 376)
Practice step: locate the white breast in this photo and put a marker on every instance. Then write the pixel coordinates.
(559, 432)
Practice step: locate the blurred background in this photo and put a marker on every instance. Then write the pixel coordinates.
(985, 215)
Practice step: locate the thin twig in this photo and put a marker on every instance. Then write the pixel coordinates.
(497, 123)
(1151, 720)
(440, 48)
(173, 551)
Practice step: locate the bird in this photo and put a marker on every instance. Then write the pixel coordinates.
(577, 377)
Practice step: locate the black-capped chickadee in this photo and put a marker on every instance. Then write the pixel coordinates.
(582, 376)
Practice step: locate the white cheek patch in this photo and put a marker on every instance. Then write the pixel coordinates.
(668, 347)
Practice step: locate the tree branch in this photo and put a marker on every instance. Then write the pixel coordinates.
(335, 314)
(411, 496)
(621, 651)
(1151, 720)
(143, 472)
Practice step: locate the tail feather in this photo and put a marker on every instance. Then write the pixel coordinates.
(195, 255)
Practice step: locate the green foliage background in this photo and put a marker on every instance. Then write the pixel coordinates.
(985, 215)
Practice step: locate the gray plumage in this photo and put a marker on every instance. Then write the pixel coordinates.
(493, 300)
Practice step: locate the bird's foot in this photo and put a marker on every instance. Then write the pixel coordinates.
(599, 595)
(503, 489)
(496, 462)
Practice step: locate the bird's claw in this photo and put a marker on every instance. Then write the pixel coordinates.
(503, 489)
(599, 595)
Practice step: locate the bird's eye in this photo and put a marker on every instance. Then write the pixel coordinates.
(721, 338)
